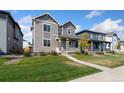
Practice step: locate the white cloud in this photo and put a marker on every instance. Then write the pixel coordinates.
(93, 14)
(108, 25)
(29, 34)
(25, 20)
(25, 28)
(25, 24)
(78, 28)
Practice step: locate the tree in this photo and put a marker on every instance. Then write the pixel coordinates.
(119, 45)
(84, 43)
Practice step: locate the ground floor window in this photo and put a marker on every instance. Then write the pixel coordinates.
(70, 44)
(46, 42)
(76, 45)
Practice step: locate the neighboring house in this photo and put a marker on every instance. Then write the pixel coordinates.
(27, 44)
(49, 36)
(122, 45)
(11, 37)
(114, 40)
(100, 41)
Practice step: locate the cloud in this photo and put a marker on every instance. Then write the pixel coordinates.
(93, 14)
(25, 20)
(29, 34)
(25, 28)
(25, 24)
(108, 25)
(78, 28)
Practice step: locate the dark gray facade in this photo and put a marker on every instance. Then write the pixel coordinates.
(97, 40)
(11, 37)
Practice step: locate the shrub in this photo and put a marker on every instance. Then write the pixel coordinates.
(77, 52)
(112, 52)
(100, 52)
(53, 53)
(42, 54)
(27, 52)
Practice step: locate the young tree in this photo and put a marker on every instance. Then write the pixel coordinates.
(84, 43)
(119, 45)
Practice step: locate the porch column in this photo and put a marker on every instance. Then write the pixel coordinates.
(59, 44)
(110, 46)
(79, 43)
(67, 44)
(91, 46)
(100, 46)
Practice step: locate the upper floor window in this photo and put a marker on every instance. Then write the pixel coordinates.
(46, 42)
(91, 35)
(46, 27)
(68, 30)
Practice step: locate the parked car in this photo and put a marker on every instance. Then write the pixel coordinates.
(2, 53)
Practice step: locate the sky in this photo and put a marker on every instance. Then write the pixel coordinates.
(96, 20)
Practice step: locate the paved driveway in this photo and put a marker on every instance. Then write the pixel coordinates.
(113, 75)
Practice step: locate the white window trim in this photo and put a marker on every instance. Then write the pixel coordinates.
(67, 31)
(43, 42)
(46, 32)
(43, 27)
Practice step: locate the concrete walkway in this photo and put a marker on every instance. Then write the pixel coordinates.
(114, 75)
(14, 59)
(86, 63)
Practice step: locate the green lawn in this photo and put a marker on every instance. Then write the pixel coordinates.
(3, 59)
(104, 60)
(44, 68)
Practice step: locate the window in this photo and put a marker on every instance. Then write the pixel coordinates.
(46, 42)
(91, 36)
(76, 45)
(68, 30)
(70, 44)
(46, 27)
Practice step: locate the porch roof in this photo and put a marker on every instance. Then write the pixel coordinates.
(101, 41)
(68, 37)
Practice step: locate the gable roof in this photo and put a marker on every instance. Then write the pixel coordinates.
(46, 14)
(111, 34)
(68, 23)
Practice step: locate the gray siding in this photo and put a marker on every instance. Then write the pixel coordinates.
(39, 35)
(65, 27)
(3, 35)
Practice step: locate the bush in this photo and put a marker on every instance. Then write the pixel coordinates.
(100, 52)
(77, 52)
(112, 52)
(53, 53)
(27, 52)
(42, 54)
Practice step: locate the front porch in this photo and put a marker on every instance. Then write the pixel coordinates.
(100, 46)
(68, 45)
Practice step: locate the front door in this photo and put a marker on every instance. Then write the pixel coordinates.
(63, 45)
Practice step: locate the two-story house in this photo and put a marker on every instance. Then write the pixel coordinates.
(11, 37)
(49, 35)
(100, 41)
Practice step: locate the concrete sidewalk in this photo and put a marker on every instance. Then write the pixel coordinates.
(114, 75)
(86, 63)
